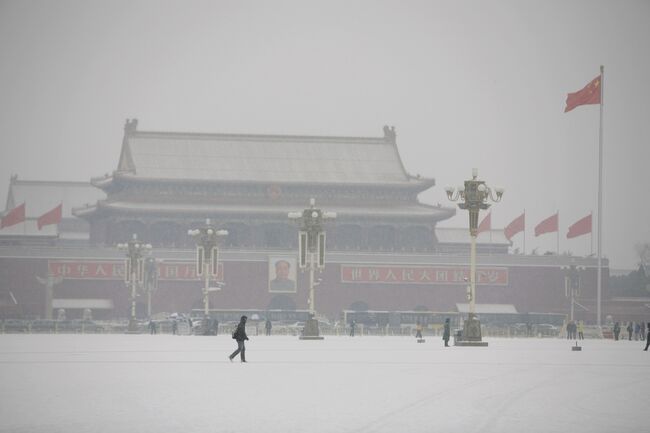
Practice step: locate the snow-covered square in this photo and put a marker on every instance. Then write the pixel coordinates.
(165, 383)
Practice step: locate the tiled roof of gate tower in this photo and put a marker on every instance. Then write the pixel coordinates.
(264, 158)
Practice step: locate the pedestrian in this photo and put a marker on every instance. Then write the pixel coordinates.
(581, 330)
(637, 330)
(189, 322)
(617, 330)
(174, 327)
(215, 327)
(268, 325)
(240, 336)
(446, 332)
(647, 343)
(353, 325)
(152, 327)
(629, 330)
(642, 335)
(418, 330)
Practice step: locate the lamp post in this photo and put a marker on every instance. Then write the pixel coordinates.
(134, 271)
(572, 284)
(207, 257)
(150, 280)
(311, 256)
(474, 195)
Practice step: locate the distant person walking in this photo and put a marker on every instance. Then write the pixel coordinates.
(152, 327)
(418, 330)
(268, 325)
(647, 342)
(240, 336)
(629, 328)
(446, 332)
(353, 325)
(642, 335)
(637, 330)
(617, 330)
(581, 330)
(174, 327)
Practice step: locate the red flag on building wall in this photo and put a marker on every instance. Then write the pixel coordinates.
(485, 225)
(549, 225)
(516, 226)
(590, 94)
(51, 217)
(15, 216)
(580, 227)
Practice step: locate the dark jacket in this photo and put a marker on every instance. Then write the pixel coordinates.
(446, 332)
(240, 332)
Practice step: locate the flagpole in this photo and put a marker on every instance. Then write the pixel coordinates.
(600, 194)
(558, 232)
(524, 231)
(591, 235)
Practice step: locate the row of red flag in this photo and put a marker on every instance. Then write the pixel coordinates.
(548, 225)
(17, 216)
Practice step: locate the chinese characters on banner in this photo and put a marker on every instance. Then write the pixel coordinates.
(496, 276)
(114, 270)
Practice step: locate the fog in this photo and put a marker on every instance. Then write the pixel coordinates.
(466, 84)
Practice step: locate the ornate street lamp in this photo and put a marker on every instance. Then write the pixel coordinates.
(311, 256)
(134, 271)
(150, 280)
(572, 284)
(474, 195)
(207, 257)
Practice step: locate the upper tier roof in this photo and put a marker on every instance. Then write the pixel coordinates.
(263, 158)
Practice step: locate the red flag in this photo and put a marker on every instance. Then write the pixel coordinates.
(590, 94)
(549, 225)
(580, 227)
(51, 217)
(486, 224)
(516, 226)
(15, 216)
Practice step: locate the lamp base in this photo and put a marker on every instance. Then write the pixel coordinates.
(471, 336)
(133, 327)
(311, 331)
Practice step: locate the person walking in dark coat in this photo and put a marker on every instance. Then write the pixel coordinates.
(629, 328)
(353, 325)
(647, 342)
(617, 330)
(174, 327)
(446, 332)
(268, 325)
(240, 336)
(418, 330)
(152, 327)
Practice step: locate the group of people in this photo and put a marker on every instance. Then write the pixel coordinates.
(575, 331)
(638, 329)
(446, 331)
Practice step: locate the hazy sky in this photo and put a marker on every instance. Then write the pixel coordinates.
(467, 84)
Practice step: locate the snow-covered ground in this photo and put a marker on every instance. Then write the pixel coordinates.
(164, 383)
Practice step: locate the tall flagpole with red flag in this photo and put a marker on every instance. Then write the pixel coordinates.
(594, 93)
(600, 194)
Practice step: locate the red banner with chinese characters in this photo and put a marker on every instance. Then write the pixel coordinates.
(114, 270)
(495, 276)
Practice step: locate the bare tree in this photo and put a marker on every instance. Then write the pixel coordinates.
(643, 250)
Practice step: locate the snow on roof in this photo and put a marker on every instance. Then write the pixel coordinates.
(415, 210)
(488, 308)
(264, 158)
